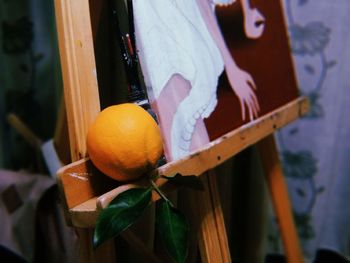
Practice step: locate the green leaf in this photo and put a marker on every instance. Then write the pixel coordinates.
(173, 228)
(122, 212)
(188, 180)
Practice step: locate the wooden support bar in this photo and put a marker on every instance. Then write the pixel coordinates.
(213, 242)
(219, 217)
(140, 247)
(28, 135)
(279, 195)
(78, 70)
(105, 253)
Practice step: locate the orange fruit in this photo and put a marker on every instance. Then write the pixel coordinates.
(124, 142)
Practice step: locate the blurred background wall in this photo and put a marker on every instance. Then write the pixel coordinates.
(31, 224)
(30, 78)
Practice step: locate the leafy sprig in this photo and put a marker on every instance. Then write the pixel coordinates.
(171, 225)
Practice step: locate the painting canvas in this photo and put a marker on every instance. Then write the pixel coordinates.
(212, 66)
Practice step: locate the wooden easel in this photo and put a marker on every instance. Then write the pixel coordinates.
(85, 192)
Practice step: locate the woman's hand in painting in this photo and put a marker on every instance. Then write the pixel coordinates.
(254, 23)
(243, 85)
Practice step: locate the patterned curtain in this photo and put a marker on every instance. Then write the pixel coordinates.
(316, 149)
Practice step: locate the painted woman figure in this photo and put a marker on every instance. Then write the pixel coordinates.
(183, 53)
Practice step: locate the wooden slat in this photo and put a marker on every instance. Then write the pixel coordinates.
(233, 142)
(213, 242)
(140, 247)
(27, 134)
(280, 199)
(78, 70)
(219, 217)
(212, 155)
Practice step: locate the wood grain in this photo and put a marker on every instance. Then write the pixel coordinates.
(78, 70)
(213, 242)
(28, 135)
(280, 199)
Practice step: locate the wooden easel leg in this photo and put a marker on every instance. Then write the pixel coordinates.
(279, 195)
(105, 253)
(206, 206)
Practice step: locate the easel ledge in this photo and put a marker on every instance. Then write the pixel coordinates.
(83, 207)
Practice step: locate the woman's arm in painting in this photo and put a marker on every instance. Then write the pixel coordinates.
(241, 82)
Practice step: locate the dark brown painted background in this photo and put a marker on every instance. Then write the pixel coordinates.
(267, 59)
